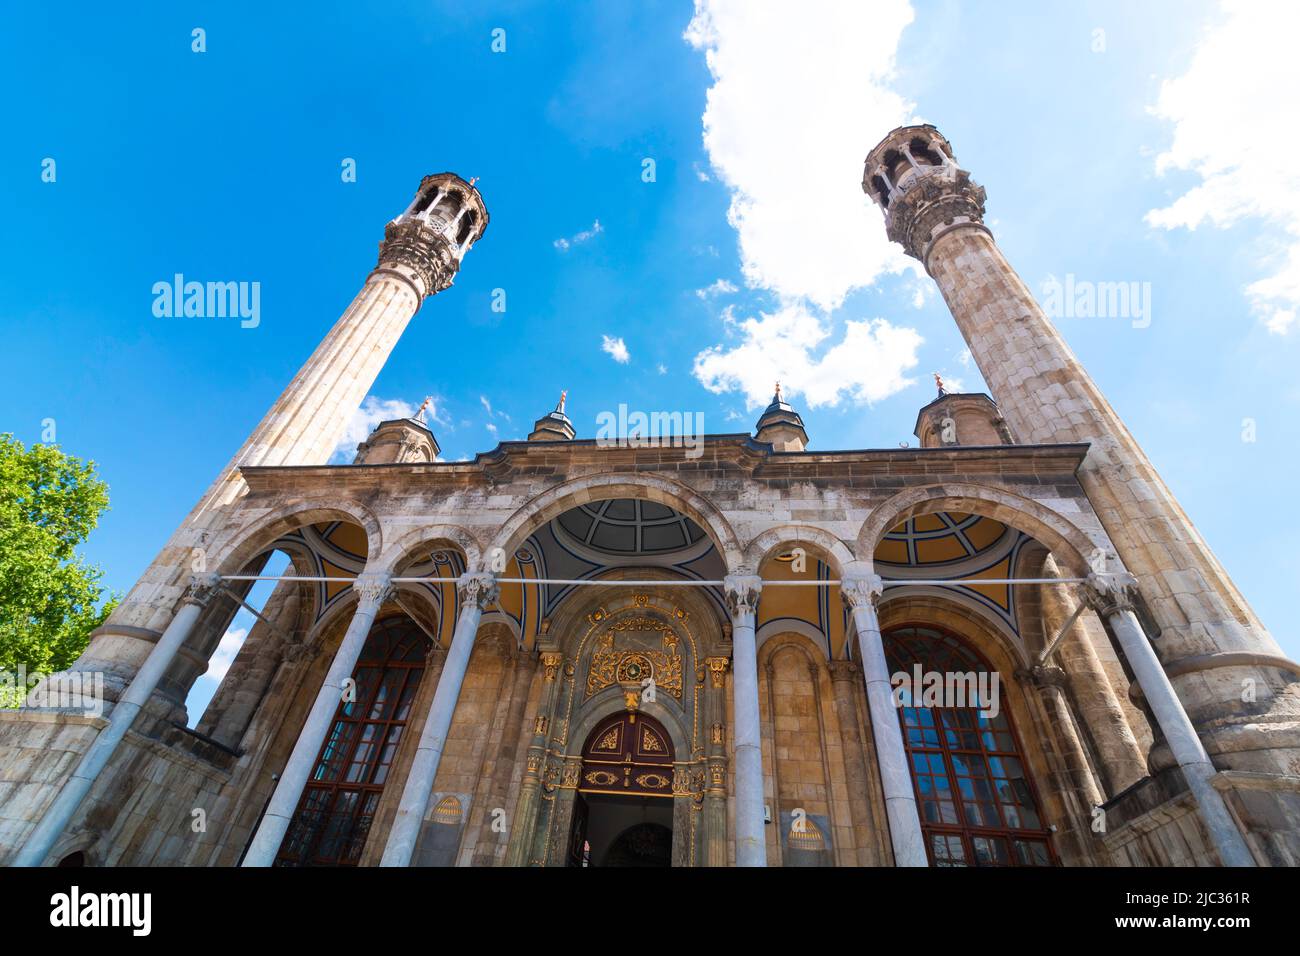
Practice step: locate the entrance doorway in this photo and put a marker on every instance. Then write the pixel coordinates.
(623, 811)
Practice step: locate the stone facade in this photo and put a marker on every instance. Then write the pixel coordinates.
(764, 590)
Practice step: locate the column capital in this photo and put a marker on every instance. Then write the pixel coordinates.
(717, 670)
(844, 670)
(742, 592)
(1046, 675)
(859, 589)
(202, 589)
(373, 589)
(1110, 593)
(478, 588)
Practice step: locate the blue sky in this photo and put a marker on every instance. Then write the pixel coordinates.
(752, 255)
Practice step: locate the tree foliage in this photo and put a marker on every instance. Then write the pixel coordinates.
(50, 599)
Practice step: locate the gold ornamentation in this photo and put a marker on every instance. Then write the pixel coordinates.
(552, 664)
(609, 741)
(718, 734)
(601, 778)
(650, 743)
(717, 670)
(447, 811)
(653, 781)
(572, 770)
(610, 666)
(540, 723)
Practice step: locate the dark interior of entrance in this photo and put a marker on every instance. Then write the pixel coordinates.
(622, 831)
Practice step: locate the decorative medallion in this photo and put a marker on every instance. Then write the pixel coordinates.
(611, 664)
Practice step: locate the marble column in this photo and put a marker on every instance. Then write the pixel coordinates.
(861, 591)
(742, 598)
(1111, 595)
(476, 590)
(56, 819)
(372, 591)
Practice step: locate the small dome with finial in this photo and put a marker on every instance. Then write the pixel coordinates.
(554, 426)
(781, 426)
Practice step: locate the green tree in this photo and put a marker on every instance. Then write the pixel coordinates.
(50, 599)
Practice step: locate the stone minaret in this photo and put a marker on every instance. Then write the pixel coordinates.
(420, 255)
(1214, 649)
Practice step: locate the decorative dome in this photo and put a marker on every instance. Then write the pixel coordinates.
(630, 526)
(939, 539)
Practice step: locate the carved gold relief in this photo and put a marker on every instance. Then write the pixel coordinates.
(610, 665)
(552, 664)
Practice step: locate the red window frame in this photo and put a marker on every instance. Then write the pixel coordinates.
(974, 788)
(338, 805)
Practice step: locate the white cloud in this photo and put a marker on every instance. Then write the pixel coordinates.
(796, 103)
(616, 348)
(363, 421)
(490, 427)
(221, 659)
(1233, 112)
(662, 369)
(866, 365)
(564, 245)
(721, 287)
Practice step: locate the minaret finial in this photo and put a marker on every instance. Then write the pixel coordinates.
(473, 180)
(938, 381)
(419, 414)
(564, 394)
(778, 391)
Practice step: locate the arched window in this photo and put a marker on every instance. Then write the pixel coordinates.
(339, 801)
(976, 801)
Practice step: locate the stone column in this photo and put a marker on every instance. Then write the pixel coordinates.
(59, 814)
(1121, 759)
(846, 678)
(417, 259)
(372, 591)
(488, 849)
(1205, 623)
(1112, 597)
(522, 828)
(476, 590)
(742, 597)
(861, 591)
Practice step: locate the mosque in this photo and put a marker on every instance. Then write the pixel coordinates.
(1006, 646)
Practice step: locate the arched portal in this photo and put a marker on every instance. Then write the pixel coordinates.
(623, 813)
(977, 803)
(338, 804)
